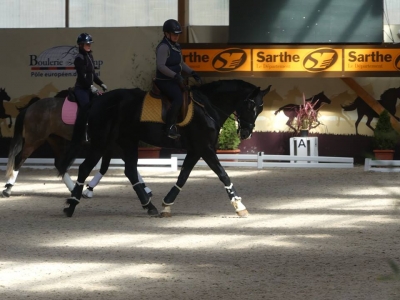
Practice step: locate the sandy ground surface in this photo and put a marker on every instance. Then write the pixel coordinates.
(312, 234)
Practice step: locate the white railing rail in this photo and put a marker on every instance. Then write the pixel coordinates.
(159, 164)
(382, 165)
(260, 161)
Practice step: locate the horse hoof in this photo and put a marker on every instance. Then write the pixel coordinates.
(165, 215)
(5, 194)
(153, 212)
(69, 211)
(242, 213)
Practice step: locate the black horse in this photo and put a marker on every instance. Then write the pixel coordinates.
(116, 117)
(290, 110)
(4, 97)
(388, 100)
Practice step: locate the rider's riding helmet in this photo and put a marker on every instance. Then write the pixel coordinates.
(173, 26)
(84, 38)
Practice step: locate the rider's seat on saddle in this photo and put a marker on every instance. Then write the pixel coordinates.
(166, 103)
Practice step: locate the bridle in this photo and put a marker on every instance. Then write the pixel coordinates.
(251, 105)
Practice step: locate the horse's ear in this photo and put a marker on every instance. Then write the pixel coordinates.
(266, 91)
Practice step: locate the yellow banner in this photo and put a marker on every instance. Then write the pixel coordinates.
(374, 60)
(297, 60)
(218, 60)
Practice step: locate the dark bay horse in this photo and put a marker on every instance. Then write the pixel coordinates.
(38, 122)
(116, 118)
(388, 100)
(290, 110)
(4, 97)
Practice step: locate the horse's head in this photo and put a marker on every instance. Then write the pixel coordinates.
(319, 99)
(248, 111)
(4, 95)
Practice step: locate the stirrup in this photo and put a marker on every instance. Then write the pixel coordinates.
(173, 132)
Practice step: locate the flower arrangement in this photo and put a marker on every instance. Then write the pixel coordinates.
(307, 115)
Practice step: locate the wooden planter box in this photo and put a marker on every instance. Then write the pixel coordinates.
(384, 154)
(149, 152)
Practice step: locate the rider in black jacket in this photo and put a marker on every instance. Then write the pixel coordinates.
(84, 88)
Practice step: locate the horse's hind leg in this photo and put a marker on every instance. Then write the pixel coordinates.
(84, 170)
(10, 124)
(188, 164)
(27, 149)
(213, 162)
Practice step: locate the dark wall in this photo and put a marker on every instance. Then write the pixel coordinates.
(305, 21)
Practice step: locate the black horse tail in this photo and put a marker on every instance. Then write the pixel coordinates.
(33, 100)
(277, 111)
(16, 142)
(349, 107)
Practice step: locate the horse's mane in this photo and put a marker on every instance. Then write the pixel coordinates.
(199, 96)
(235, 84)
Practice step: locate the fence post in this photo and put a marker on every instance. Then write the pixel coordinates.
(174, 164)
(260, 160)
(367, 164)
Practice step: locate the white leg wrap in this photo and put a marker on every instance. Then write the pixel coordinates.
(95, 180)
(167, 209)
(237, 204)
(78, 183)
(147, 189)
(68, 182)
(13, 178)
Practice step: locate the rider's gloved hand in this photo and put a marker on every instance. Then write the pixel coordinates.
(196, 77)
(95, 90)
(104, 87)
(179, 79)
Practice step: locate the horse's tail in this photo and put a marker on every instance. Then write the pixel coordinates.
(33, 100)
(277, 111)
(16, 142)
(351, 106)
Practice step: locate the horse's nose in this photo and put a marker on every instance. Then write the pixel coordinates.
(245, 134)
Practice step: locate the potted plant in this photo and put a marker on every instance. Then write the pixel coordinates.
(385, 138)
(228, 139)
(307, 117)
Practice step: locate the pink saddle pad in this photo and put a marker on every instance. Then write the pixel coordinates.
(69, 110)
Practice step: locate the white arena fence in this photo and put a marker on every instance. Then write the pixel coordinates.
(382, 165)
(159, 164)
(258, 160)
(261, 160)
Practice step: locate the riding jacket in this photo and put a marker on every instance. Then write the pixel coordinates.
(169, 60)
(85, 71)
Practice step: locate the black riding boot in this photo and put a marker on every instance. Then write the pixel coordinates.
(172, 130)
(79, 133)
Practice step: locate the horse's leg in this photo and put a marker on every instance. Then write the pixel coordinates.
(9, 117)
(289, 123)
(105, 163)
(368, 123)
(359, 117)
(131, 157)
(9, 184)
(188, 164)
(58, 144)
(84, 170)
(27, 149)
(213, 162)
